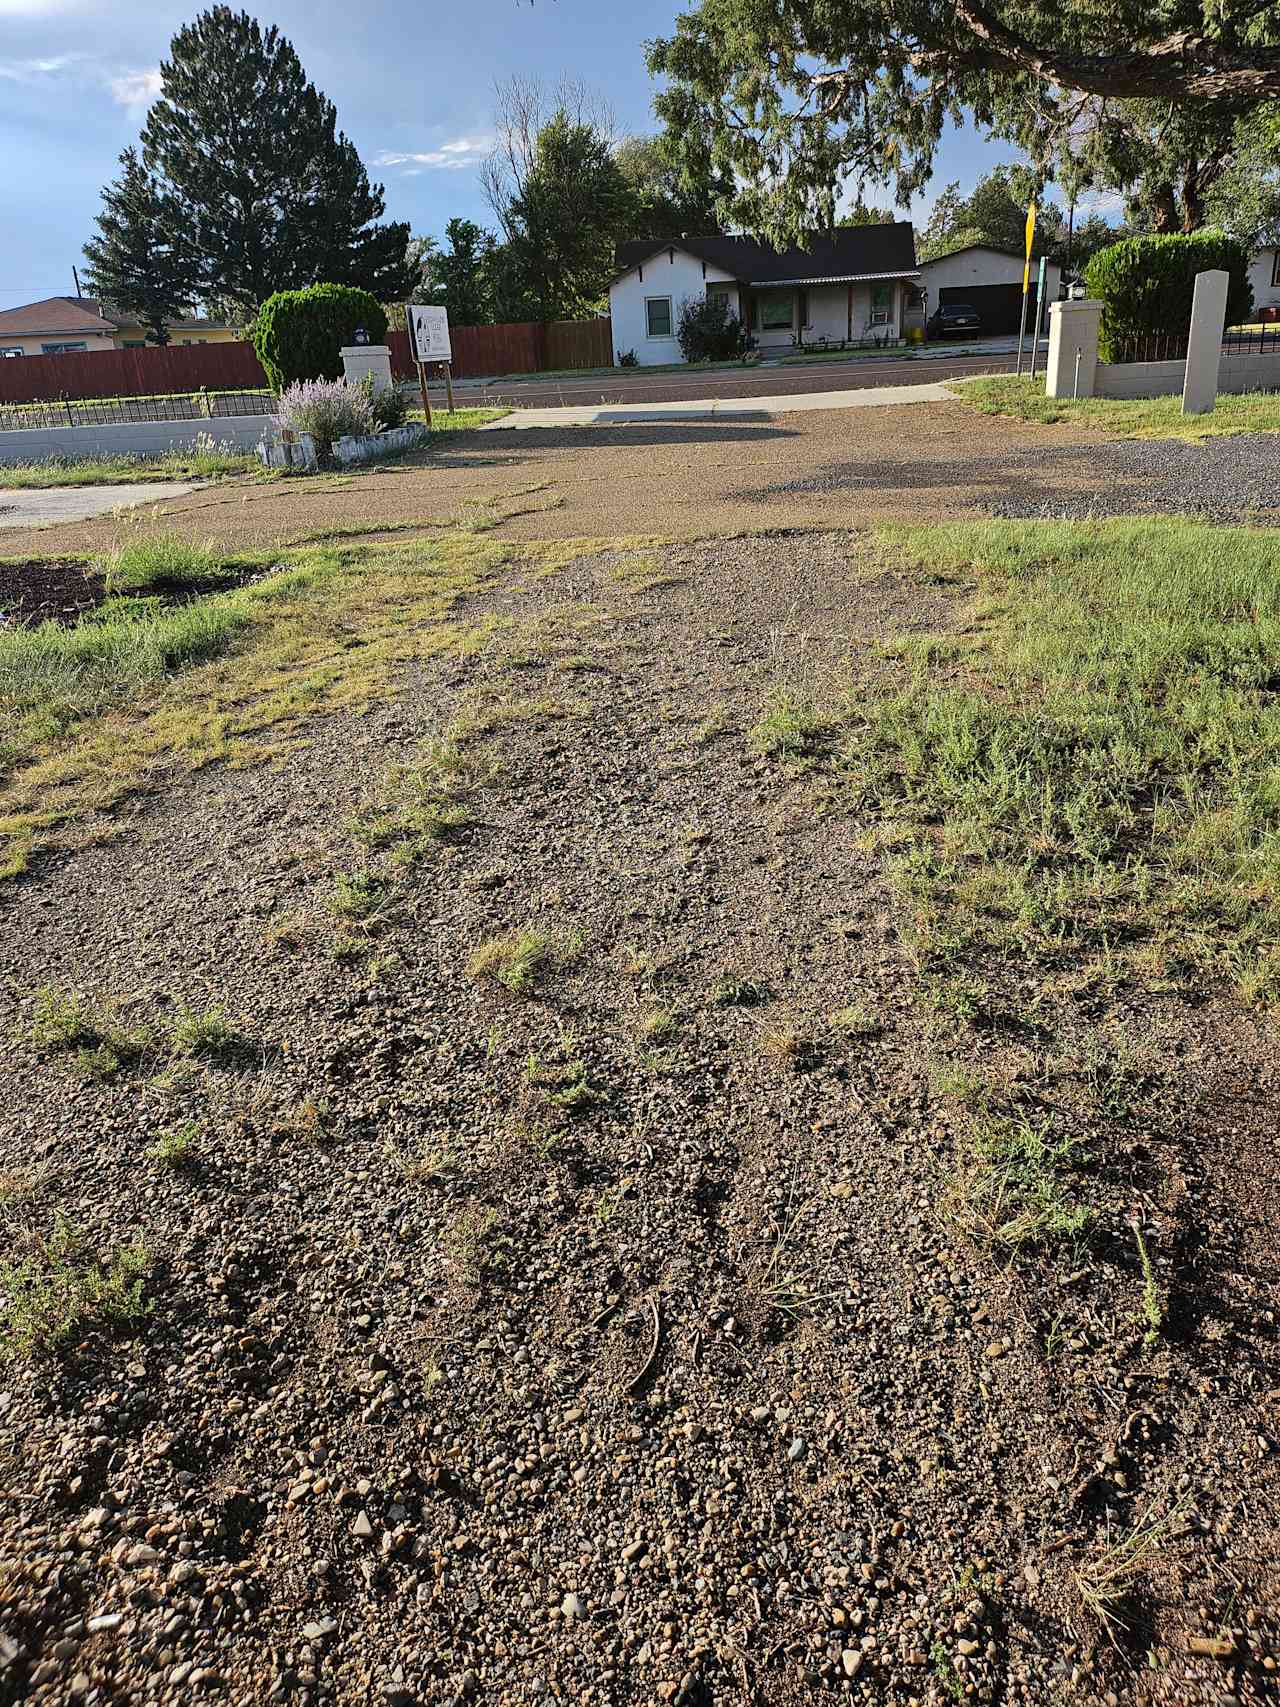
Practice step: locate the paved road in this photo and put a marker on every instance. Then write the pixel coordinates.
(634, 386)
(39, 506)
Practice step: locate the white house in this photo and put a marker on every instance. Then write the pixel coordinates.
(989, 280)
(1264, 276)
(853, 285)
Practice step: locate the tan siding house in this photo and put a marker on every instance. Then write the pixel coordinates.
(73, 323)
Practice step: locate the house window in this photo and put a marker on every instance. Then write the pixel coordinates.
(657, 311)
(12, 350)
(777, 311)
(1275, 268)
(881, 304)
(61, 349)
(134, 344)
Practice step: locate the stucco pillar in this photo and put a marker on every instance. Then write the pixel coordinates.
(361, 359)
(1073, 328)
(1204, 348)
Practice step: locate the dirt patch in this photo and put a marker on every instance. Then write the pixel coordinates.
(686, 479)
(602, 1337)
(47, 590)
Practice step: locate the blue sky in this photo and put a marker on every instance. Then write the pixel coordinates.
(412, 81)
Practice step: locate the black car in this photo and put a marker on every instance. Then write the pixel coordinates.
(954, 317)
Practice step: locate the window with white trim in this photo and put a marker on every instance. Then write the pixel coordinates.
(881, 304)
(657, 316)
(12, 350)
(61, 349)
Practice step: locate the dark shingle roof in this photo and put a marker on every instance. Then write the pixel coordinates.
(852, 252)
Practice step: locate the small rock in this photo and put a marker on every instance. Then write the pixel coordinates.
(1211, 1647)
(572, 1607)
(795, 1450)
(851, 1659)
(995, 1349)
(362, 1529)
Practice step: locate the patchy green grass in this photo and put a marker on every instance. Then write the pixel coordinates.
(457, 420)
(1099, 762)
(65, 1023)
(790, 729)
(159, 560)
(57, 1291)
(178, 1149)
(96, 713)
(513, 960)
(1138, 418)
(204, 461)
(203, 1031)
(1013, 1186)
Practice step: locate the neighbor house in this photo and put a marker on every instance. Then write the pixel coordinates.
(989, 280)
(1264, 276)
(74, 323)
(855, 284)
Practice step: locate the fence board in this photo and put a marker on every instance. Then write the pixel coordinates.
(519, 347)
(131, 373)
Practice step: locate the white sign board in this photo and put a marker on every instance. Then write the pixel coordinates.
(430, 333)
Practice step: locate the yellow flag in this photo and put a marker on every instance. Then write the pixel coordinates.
(1031, 231)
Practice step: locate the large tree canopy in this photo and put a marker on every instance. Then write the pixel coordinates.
(244, 158)
(793, 96)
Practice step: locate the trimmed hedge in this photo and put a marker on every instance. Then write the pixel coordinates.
(1145, 284)
(299, 334)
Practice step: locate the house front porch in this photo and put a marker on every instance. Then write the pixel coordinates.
(781, 317)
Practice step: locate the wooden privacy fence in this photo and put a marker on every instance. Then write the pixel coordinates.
(147, 372)
(523, 347)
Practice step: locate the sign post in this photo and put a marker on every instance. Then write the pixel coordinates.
(1026, 278)
(1035, 334)
(413, 354)
(430, 331)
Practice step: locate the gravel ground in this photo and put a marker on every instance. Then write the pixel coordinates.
(508, 1348)
(1228, 479)
(925, 460)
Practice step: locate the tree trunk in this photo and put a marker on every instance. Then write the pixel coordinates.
(1164, 210)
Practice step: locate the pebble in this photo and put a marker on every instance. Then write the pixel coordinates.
(571, 1606)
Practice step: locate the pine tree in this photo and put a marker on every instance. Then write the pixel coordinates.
(267, 193)
(138, 262)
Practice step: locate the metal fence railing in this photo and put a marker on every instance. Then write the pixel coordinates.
(1259, 340)
(1251, 341)
(114, 411)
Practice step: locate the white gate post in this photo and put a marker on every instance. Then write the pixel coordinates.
(1073, 331)
(1204, 347)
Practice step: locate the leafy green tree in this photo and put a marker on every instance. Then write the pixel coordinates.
(462, 276)
(791, 97)
(1245, 199)
(995, 213)
(861, 213)
(564, 221)
(139, 259)
(249, 164)
(665, 206)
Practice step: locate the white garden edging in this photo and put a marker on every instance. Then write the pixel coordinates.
(299, 449)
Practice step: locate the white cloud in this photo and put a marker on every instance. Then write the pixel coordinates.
(135, 89)
(132, 89)
(34, 70)
(460, 155)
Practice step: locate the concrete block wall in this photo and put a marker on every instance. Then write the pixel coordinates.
(130, 438)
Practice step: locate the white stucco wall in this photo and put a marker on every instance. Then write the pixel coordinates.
(1261, 272)
(982, 267)
(132, 438)
(669, 273)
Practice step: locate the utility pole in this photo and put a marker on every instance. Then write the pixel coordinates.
(76, 276)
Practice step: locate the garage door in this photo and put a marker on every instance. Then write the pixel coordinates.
(999, 306)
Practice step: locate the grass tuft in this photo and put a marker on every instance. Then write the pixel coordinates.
(1011, 1187)
(513, 960)
(56, 1292)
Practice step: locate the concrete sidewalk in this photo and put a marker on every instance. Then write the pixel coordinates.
(720, 408)
(41, 506)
